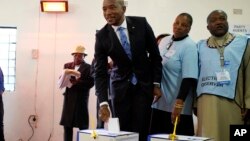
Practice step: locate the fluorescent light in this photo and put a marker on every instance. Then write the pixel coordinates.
(54, 6)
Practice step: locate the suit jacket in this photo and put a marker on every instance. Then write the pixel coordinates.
(145, 63)
(75, 106)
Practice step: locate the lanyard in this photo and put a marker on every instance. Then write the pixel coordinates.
(221, 51)
(170, 45)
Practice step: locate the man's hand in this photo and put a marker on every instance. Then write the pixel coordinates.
(104, 113)
(157, 94)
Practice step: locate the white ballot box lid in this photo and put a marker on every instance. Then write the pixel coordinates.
(105, 135)
(165, 137)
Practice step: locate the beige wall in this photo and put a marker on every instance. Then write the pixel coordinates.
(55, 35)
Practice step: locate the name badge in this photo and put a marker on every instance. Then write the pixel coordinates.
(223, 77)
(170, 53)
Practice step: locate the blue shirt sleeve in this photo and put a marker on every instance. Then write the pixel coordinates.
(1, 81)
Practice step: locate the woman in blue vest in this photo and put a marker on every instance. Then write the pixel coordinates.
(179, 79)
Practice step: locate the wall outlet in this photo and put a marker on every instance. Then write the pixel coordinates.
(33, 119)
(35, 53)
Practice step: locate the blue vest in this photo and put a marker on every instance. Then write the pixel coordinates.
(182, 64)
(209, 65)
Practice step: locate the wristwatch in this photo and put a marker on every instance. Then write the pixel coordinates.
(157, 85)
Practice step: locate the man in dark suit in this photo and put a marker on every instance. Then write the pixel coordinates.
(75, 107)
(136, 73)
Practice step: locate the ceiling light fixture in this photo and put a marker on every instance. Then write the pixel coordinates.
(54, 5)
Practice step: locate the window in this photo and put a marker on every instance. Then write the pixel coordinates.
(8, 56)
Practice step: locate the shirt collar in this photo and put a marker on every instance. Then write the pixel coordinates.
(178, 39)
(124, 25)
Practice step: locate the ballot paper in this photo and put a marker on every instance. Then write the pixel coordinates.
(114, 125)
(64, 79)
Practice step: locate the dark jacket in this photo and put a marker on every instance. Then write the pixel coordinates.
(145, 63)
(75, 107)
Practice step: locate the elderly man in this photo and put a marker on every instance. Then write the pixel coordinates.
(75, 107)
(223, 86)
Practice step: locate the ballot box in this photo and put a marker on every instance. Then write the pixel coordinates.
(104, 135)
(165, 137)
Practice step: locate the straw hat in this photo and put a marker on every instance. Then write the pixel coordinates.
(79, 49)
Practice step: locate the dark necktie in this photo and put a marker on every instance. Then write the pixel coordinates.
(126, 47)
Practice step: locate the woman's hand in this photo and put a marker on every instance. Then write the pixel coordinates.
(177, 109)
